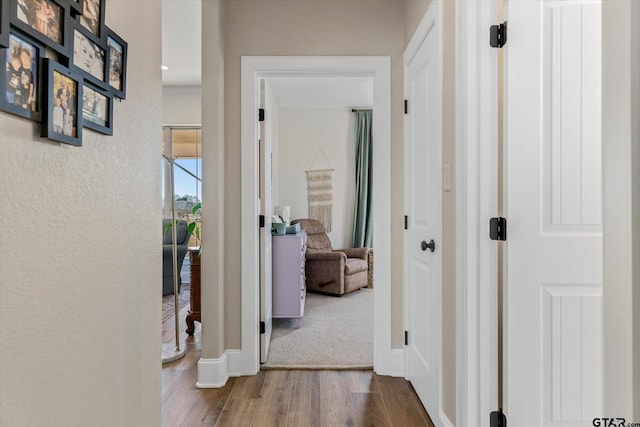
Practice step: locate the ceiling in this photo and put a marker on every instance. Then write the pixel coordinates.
(322, 91)
(181, 42)
(182, 53)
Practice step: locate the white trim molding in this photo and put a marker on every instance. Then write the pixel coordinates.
(234, 363)
(212, 373)
(378, 68)
(477, 201)
(393, 364)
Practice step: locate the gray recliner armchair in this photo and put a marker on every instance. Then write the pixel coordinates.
(182, 244)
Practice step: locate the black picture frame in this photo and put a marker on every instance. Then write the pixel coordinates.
(4, 23)
(91, 17)
(89, 57)
(61, 83)
(75, 7)
(12, 79)
(97, 109)
(116, 63)
(37, 23)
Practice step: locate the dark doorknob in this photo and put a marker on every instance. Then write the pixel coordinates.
(431, 245)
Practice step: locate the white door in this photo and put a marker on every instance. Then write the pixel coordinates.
(265, 232)
(553, 338)
(423, 207)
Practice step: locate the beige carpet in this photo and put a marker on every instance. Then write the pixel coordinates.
(336, 333)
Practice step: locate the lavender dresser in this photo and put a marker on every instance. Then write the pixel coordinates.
(288, 276)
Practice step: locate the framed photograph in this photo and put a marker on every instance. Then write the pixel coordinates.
(92, 17)
(76, 7)
(89, 58)
(117, 64)
(97, 109)
(20, 78)
(4, 23)
(44, 20)
(63, 88)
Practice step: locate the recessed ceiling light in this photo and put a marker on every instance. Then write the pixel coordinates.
(164, 67)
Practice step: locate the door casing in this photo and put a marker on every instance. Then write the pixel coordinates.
(387, 361)
(476, 202)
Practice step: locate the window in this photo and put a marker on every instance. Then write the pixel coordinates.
(184, 145)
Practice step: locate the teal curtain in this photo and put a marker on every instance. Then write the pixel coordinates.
(362, 224)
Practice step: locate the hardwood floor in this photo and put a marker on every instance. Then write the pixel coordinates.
(294, 398)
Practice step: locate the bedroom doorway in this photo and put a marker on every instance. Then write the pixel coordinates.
(386, 361)
(310, 122)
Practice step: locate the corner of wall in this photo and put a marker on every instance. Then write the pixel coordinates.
(212, 373)
(635, 135)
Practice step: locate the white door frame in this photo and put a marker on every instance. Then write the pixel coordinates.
(387, 361)
(476, 202)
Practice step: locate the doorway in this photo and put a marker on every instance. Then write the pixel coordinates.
(386, 361)
(311, 124)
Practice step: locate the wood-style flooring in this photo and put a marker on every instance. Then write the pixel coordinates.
(293, 398)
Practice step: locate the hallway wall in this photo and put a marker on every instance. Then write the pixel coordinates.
(414, 11)
(80, 256)
(278, 27)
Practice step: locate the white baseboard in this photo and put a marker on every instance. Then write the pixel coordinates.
(212, 373)
(392, 364)
(236, 364)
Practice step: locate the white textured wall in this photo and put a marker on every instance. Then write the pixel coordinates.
(302, 133)
(414, 11)
(80, 257)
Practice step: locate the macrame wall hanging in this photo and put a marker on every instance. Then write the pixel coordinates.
(320, 193)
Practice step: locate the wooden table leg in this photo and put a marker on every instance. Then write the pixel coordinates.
(191, 322)
(194, 312)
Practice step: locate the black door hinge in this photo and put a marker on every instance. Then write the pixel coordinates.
(406, 222)
(406, 338)
(261, 221)
(498, 229)
(497, 419)
(261, 114)
(498, 35)
(406, 106)
(263, 327)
